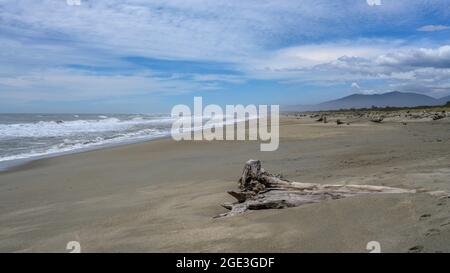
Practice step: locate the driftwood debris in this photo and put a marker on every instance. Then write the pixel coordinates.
(377, 119)
(439, 116)
(260, 189)
(323, 118)
(339, 122)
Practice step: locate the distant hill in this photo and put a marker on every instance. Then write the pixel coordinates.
(392, 99)
(444, 100)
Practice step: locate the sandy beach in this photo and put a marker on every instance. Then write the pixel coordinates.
(162, 195)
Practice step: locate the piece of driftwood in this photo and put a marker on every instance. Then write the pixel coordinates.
(260, 189)
(339, 122)
(439, 116)
(377, 119)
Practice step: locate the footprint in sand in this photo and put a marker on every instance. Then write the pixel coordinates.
(415, 249)
(433, 231)
(425, 216)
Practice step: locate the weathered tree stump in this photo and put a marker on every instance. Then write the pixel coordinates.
(260, 189)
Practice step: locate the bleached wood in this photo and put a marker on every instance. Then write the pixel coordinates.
(260, 189)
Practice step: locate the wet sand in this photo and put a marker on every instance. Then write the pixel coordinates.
(162, 195)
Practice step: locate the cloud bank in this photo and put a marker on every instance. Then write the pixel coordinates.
(101, 49)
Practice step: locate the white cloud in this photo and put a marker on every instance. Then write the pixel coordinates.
(63, 84)
(295, 62)
(424, 70)
(431, 28)
(355, 85)
(358, 89)
(218, 78)
(309, 55)
(419, 57)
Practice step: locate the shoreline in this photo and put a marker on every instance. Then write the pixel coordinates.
(16, 163)
(11, 165)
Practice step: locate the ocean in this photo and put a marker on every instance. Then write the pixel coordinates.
(27, 136)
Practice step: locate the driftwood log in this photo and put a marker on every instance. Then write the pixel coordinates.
(377, 119)
(323, 118)
(438, 116)
(260, 189)
(339, 122)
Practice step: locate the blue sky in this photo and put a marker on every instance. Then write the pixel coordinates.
(146, 56)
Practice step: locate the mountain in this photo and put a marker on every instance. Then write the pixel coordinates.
(393, 99)
(444, 100)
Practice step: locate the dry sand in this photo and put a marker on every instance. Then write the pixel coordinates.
(161, 196)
